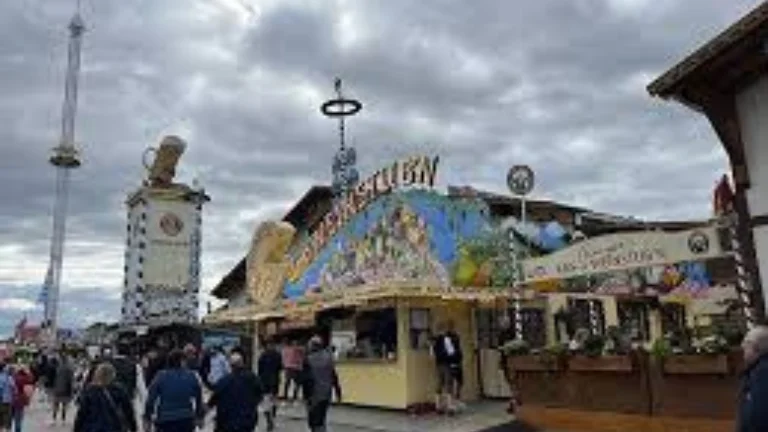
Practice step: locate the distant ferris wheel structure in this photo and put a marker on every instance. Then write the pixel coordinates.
(345, 174)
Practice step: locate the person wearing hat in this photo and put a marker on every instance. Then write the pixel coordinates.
(320, 381)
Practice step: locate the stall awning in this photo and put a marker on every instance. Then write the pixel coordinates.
(244, 314)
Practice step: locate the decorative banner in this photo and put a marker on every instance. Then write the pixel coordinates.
(624, 251)
(170, 225)
(414, 171)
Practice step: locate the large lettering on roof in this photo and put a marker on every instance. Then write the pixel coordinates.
(413, 171)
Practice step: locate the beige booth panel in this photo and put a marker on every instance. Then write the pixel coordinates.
(373, 383)
(494, 384)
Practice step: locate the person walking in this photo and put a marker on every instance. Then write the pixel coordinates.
(270, 365)
(293, 359)
(24, 382)
(49, 378)
(219, 366)
(320, 381)
(7, 392)
(448, 359)
(191, 358)
(506, 335)
(752, 415)
(63, 388)
(236, 398)
(174, 403)
(104, 404)
(129, 373)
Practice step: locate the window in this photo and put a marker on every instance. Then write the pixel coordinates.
(367, 334)
(487, 321)
(534, 326)
(419, 328)
(581, 314)
(489, 327)
(633, 319)
(672, 318)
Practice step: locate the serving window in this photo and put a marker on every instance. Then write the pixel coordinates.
(366, 334)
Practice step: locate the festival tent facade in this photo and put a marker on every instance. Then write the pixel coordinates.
(378, 272)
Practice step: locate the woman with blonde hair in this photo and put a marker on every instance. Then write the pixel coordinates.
(104, 405)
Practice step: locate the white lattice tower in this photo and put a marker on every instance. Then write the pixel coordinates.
(65, 157)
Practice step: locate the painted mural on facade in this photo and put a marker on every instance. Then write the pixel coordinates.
(412, 235)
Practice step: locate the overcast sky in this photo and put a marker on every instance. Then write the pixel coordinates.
(559, 85)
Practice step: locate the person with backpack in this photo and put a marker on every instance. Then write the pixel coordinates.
(128, 372)
(320, 381)
(7, 393)
(104, 405)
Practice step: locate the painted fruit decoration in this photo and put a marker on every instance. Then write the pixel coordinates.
(483, 275)
(466, 268)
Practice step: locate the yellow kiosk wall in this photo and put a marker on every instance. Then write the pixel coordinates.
(411, 379)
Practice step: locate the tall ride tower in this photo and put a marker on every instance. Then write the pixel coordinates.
(65, 157)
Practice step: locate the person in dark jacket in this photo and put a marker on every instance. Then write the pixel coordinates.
(63, 388)
(236, 398)
(319, 382)
(174, 403)
(270, 366)
(753, 416)
(105, 406)
(129, 373)
(507, 334)
(448, 360)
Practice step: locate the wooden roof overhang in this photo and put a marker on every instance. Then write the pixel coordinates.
(709, 79)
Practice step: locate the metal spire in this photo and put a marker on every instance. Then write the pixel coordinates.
(345, 175)
(65, 157)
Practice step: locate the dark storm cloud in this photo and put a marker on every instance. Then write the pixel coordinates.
(558, 85)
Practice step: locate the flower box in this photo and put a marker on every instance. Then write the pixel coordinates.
(533, 363)
(605, 363)
(696, 364)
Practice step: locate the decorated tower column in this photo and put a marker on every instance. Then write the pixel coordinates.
(163, 245)
(345, 174)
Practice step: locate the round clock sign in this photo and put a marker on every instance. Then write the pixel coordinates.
(520, 179)
(171, 224)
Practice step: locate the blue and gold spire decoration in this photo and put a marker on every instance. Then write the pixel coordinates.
(345, 174)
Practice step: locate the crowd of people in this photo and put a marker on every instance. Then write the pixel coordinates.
(171, 390)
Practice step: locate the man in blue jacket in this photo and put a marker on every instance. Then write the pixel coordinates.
(753, 416)
(175, 400)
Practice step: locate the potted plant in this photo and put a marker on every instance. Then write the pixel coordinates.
(708, 356)
(520, 358)
(591, 358)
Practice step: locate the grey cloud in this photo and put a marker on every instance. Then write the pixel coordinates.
(487, 84)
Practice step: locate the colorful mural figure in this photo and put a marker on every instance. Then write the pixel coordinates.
(413, 235)
(690, 279)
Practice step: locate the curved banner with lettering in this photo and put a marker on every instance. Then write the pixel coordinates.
(624, 251)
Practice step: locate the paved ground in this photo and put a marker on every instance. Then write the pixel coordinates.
(341, 419)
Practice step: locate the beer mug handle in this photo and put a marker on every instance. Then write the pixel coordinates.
(144, 159)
